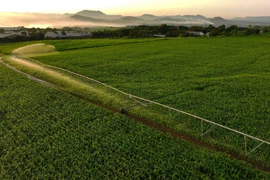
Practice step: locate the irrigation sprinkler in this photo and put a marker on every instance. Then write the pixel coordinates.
(142, 101)
(129, 107)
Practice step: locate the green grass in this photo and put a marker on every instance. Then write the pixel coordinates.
(74, 44)
(47, 134)
(225, 79)
(61, 45)
(7, 48)
(35, 49)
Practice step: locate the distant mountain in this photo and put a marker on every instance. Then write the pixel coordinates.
(254, 19)
(89, 13)
(192, 17)
(218, 21)
(98, 15)
(84, 18)
(96, 18)
(246, 21)
(129, 20)
(148, 17)
(200, 17)
(166, 18)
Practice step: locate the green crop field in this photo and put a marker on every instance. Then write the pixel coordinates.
(223, 79)
(47, 134)
(63, 45)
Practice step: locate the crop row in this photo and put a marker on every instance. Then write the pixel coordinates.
(221, 79)
(49, 134)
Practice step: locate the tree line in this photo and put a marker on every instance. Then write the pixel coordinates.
(179, 31)
(142, 31)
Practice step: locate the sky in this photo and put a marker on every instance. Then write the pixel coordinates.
(208, 8)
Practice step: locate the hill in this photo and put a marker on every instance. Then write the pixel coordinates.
(218, 21)
(98, 15)
(148, 17)
(88, 19)
(129, 20)
(90, 13)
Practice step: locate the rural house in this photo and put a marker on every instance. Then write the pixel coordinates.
(195, 33)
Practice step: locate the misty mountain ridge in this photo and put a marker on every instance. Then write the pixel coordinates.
(98, 15)
(89, 13)
(150, 19)
(147, 19)
(84, 18)
(98, 18)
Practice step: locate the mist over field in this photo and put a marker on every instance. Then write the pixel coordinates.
(88, 18)
(42, 20)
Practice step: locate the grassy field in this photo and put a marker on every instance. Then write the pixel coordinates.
(53, 135)
(61, 45)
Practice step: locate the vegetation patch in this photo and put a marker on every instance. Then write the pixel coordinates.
(36, 50)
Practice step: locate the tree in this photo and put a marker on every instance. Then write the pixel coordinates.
(214, 32)
(2, 30)
(208, 29)
(122, 32)
(67, 29)
(183, 28)
(24, 33)
(63, 33)
(163, 29)
(196, 28)
(39, 36)
(234, 32)
(221, 28)
(231, 28)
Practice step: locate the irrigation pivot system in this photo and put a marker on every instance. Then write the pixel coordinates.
(138, 101)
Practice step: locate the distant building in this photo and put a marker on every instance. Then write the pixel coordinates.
(12, 34)
(54, 35)
(196, 33)
(77, 35)
(9, 36)
(159, 35)
(59, 35)
(11, 28)
(261, 32)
